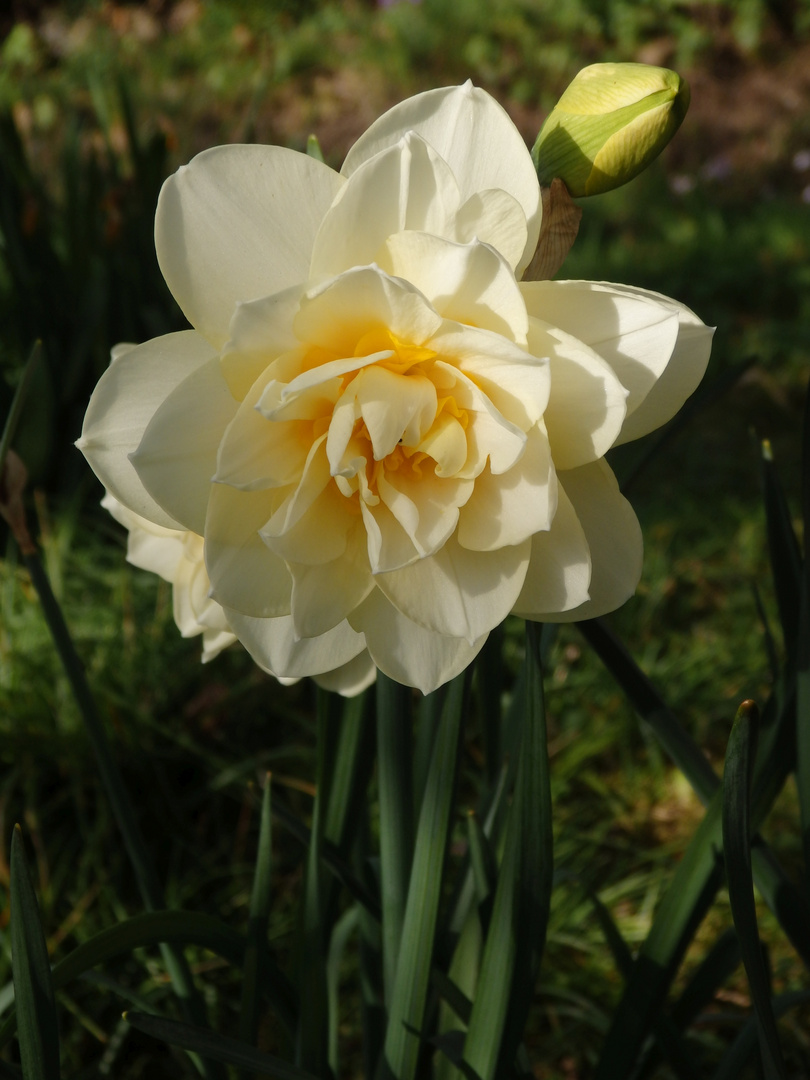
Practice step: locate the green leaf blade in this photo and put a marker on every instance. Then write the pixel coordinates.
(737, 781)
(38, 1029)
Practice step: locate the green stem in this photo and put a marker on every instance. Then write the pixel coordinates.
(395, 783)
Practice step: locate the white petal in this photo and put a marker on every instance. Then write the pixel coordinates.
(489, 434)
(514, 381)
(349, 679)
(336, 315)
(390, 546)
(238, 223)
(177, 456)
(245, 575)
(681, 376)
(395, 408)
(126, 398)
(425, 506)
(409, 653)
(494, 217)
(186, 597)
(256, 452)
(460, 593)
(273, 645)
(323, 595)
(260, 331)
(476, 138)
(407, 186)
(214, 641)
(635, 333)
(159, 555)
(510, 508)
(312, 523)
(560, 568)
(468, 282)
(586, 406)
(614, 538)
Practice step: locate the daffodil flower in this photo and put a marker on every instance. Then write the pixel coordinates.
(381, 433)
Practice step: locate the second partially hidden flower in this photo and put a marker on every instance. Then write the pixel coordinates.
(381, 433)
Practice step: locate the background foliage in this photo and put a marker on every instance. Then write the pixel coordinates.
(98, 102)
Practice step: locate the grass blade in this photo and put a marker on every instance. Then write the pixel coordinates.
(217, 1047)
(409, 996)
(178, 928)
(489, 680)
(38, 1031)
(645, 699)
(803, 659)
(667, 1034)
(732, 1067)
(678, 915)
(785, 557)
(775, 761)
(312, 1035)
(122, 807)
(395, 783)
(350, 772)
(737, 781)
(341, 933)
(517, 928)
(256, 948)
(18, 402)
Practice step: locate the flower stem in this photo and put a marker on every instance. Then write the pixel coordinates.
(395, 783)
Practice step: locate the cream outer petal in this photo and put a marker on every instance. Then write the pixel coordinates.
(476, 138)
(238, 223)
(245, 574)
(407, 652)
(177, 456)
(123, 403)
(560, 566)
(273, 645)
(406, 186)
(350, 679)
(614, 538)
(587, 403)
(459, 593)
(467, 283)
(682, 375)
(634, 333)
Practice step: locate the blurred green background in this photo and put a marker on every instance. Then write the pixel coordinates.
(98, 103)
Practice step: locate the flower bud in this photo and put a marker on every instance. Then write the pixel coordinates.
(607, 127)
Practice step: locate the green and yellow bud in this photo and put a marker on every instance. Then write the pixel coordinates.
(607, 127)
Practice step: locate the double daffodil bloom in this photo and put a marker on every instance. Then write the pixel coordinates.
(383, 436)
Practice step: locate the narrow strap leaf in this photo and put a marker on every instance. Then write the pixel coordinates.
(38, 1031)
(216, 1047)
(803, 658)
(395, 784)
(517, 928)
(406, 1012)
(179, 928)
(311, 1036)
(145, 873)
(645, 699)
(745, 1045)
(341, 933)
(785, 558)
(667, 1034)
(350, 771)
(679, 913)
(256, 948)
(489, 678)
(737, 848)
